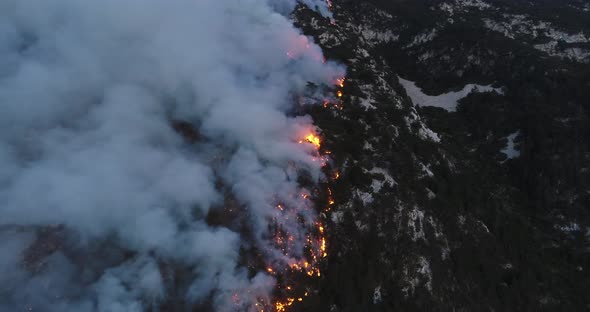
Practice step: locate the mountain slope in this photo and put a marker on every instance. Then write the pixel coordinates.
(484, 208)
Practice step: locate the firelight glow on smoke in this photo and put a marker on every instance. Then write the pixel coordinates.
(104, 203)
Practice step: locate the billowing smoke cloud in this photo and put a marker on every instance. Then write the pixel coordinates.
(101, 200)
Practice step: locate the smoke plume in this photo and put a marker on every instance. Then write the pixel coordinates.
(144, 147)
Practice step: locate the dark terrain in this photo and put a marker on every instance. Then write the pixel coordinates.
(430, 214)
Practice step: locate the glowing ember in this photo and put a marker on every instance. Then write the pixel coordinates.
(282, 306)
(315, 241)
(313, 140)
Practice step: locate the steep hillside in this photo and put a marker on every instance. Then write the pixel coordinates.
(480, 203)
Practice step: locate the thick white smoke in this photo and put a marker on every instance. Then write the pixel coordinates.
(88, 157)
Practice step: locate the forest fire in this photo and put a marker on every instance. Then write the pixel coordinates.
(336, 103)
(289, 290)
(209, 155)
(340, 84)
(316, 249)
(313, 139)
(298, 267)
(316, 241)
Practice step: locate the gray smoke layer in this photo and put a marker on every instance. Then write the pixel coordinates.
(99, 194)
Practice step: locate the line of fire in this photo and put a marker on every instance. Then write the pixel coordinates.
(296, 276)
(292, 280)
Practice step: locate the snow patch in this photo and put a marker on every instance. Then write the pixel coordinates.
(361, 226)
(552, 48)
(430, 194)
(377, 295)
(426, 170)
(423, 273)
(427, 133)
(416, 224)
(510, 150)
(367, 103)
(365, 197)
(337, 216)
(373, 37)
(378, 184)
(426, 272)
(422, 38)
(518, 25)
(483, 226)
(461, 220)
(462, 5)
(570, 227)
(447, 101)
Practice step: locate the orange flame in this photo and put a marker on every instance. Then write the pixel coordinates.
(316, 241)
(315, 140)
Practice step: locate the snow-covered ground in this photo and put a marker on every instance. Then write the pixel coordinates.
(576, 54)
(447, 101)
(510, 150)
(461, 5)
(423, 38)
(518, 25)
